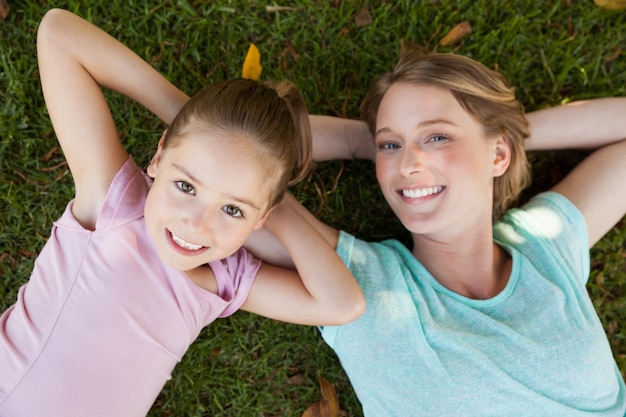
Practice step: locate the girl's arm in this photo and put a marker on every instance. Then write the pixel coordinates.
(322, 291)
(76, 59)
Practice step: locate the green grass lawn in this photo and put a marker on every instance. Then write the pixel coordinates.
(553, 51)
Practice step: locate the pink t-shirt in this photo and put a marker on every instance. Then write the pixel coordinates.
(102, 321)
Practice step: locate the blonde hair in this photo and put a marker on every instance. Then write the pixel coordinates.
(273, 117)
(482, 92)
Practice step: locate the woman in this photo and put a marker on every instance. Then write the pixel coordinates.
(479, 318)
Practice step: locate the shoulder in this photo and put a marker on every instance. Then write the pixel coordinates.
(124, 200)
(548, 216)
(374, 260)
(550, 231)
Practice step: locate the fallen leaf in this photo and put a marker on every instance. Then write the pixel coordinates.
(456, 34)
(600, 280)
(252, 64)
(49, 154)
(328, 405)
(297, 379)
(271, 9)
(55, 167)
(362, 18)
(4, 9)
(611, 4)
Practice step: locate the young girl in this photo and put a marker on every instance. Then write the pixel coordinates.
(134, 269)
(480, 318)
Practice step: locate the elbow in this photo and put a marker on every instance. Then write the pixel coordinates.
(51, 26)
(358, 307)
(351, 310)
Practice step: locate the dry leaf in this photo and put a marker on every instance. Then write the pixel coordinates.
(4, 9)
(271, 9)
(611, 4)
(252, 65)
(458, 32)
(49, 154)
(362, 18)
(328, 405)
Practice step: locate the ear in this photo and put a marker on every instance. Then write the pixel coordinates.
(152, 167)
(261, 221)
(502, 156)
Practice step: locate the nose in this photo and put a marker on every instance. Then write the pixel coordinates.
(199, 220)
(412, 161)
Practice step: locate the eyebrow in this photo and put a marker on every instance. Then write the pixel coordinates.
(420, 125)
(201, 184)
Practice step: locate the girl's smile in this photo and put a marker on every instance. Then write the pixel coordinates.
(187, 247)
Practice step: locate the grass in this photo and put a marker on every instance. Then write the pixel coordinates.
(553, 51)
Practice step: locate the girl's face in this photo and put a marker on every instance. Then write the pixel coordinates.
(434, 164)
(209, 193)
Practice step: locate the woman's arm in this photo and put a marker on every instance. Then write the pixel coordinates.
(337, 138)
(587, 124)
(597, 186)
(76, 59)
(322, 291)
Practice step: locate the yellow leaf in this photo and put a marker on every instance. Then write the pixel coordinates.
(611, 4)
(328, 405)
(252, 65)
(456, 34)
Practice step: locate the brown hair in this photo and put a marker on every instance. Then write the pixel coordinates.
(273, 117)
(482, 92)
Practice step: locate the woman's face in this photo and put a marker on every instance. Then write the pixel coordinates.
(209, 193)
(434, 164)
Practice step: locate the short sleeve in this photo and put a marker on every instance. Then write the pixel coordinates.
(554, 226)
(234, 276)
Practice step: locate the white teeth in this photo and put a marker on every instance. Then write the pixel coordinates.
(422, 192)
(184, 244)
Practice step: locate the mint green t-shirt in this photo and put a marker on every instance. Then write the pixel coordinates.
(536, 349)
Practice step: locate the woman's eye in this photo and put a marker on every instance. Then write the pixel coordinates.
(232, 211)
(437, 138)
(387, 146)
(185, 187)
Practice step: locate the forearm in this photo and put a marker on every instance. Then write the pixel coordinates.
(337, 138)
(588, 124)
(267, 247)
(323, 273)
(116, 67)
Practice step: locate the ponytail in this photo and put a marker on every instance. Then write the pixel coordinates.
(300, 115)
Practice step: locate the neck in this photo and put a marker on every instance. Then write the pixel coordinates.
(470, 264)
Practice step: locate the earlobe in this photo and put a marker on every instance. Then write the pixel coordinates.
(261, 221)
(502, 157)
(152, 167)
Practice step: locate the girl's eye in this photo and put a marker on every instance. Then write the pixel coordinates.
(185, 187)
(232, 211)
